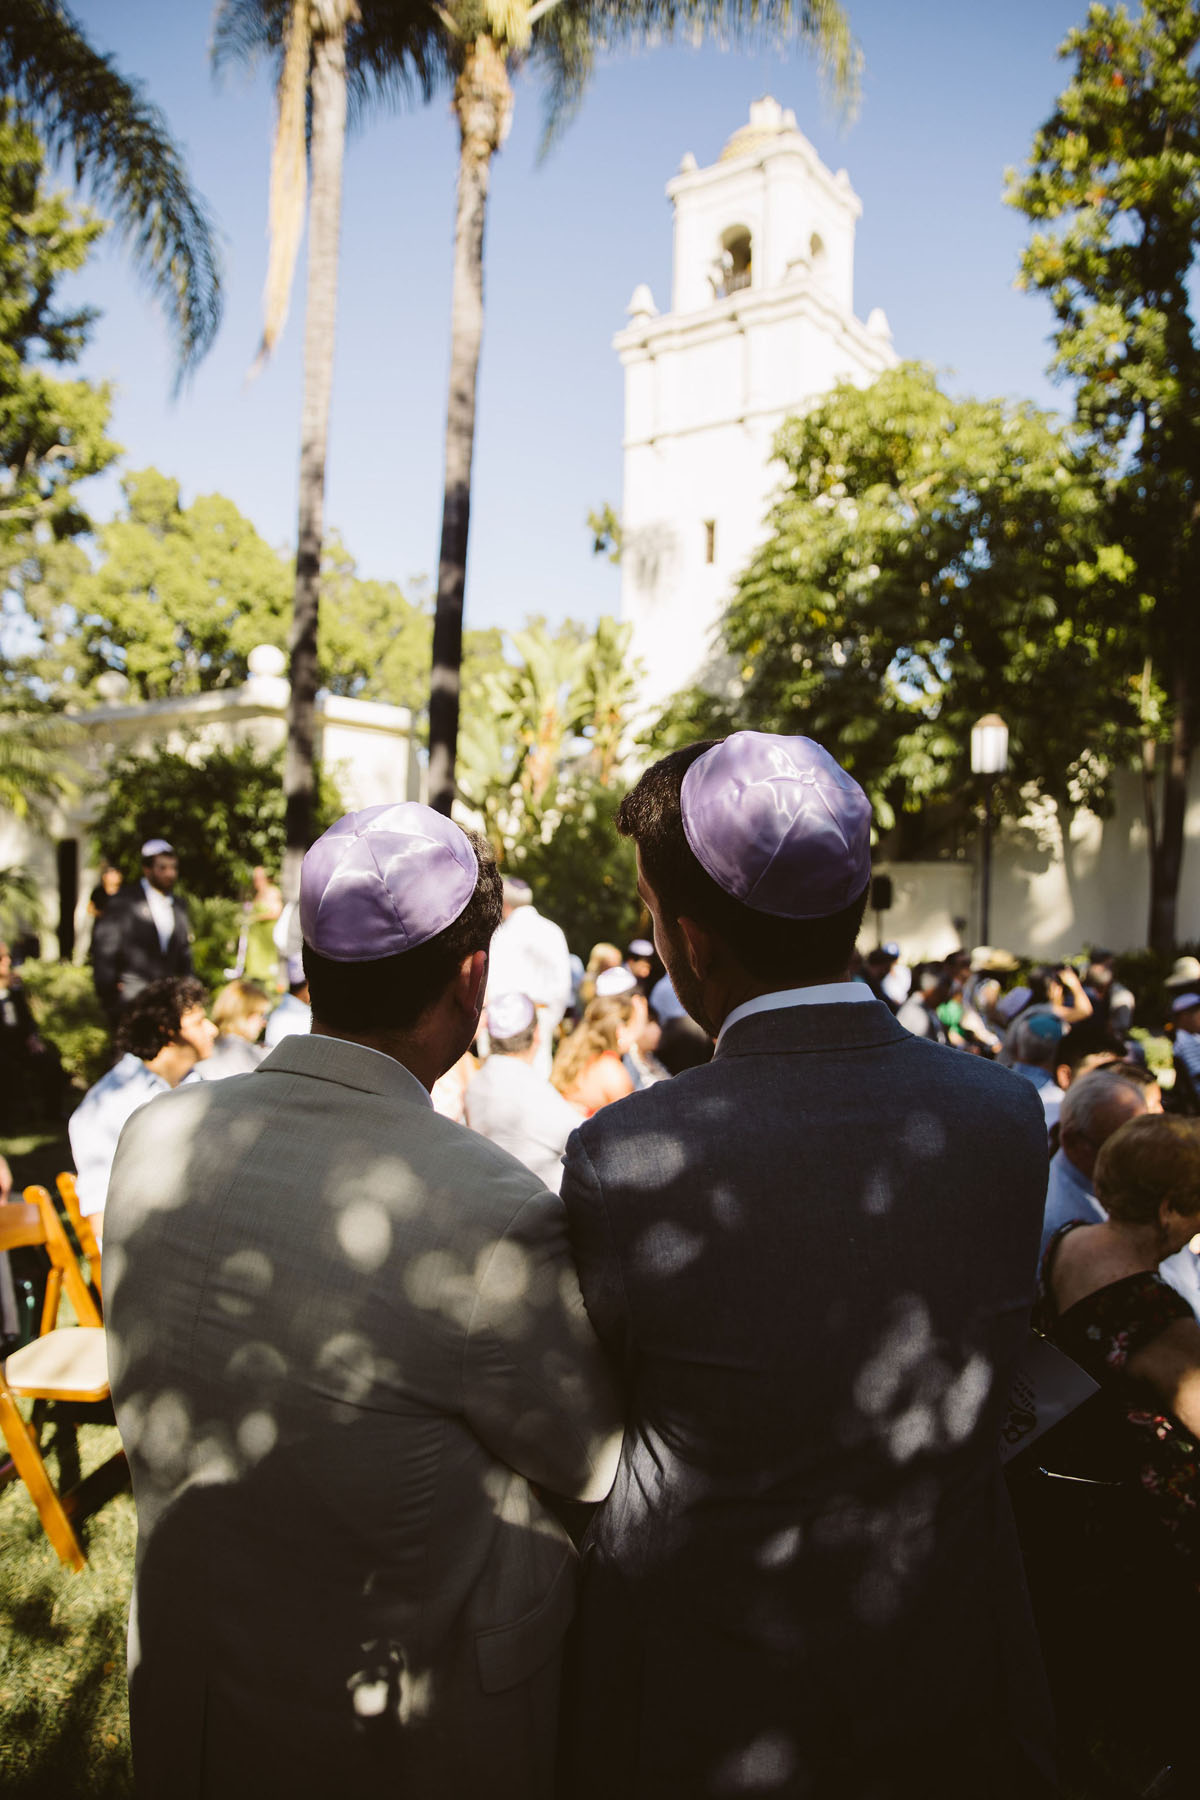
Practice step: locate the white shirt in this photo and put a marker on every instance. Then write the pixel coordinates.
(96, 1124)
(529, 955)
(162, 911)
(289, 1018)
(827, 993)
(514, 1106)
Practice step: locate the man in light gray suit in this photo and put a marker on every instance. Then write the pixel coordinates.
(813, 1262)
(346, 1340)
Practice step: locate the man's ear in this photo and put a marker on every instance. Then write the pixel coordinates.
(471, 982)
(1062, 1075)
(698, 942)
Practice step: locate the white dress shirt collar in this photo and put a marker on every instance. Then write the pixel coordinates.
(826, 993)
(162, 911)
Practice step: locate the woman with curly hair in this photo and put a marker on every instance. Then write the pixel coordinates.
(588, 1070)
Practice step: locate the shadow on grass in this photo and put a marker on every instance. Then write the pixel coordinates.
(62, 1641)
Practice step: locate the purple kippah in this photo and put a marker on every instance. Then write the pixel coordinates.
(384, 880)
(778, 824)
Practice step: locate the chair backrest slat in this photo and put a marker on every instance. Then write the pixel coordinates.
(63, 1259)
(20, 1224)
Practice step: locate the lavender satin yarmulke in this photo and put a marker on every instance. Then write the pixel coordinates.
(384, 880)
(778, 824)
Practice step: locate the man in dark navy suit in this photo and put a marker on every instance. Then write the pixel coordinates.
(812, 1263)
(143, 933)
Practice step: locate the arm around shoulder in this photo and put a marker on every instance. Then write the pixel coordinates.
(537, 1388)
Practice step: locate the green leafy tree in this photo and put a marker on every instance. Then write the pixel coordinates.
(223, 809)
(52, 429)
(545, 735)
(120, 148)
(373, 642)
(584, 876)
(179, 597)
(551, 719)
(929, 559)
(1113, 190)
(52, 437)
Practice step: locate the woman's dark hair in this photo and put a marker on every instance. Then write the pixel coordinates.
(1040, 983)
(151, 1021)
(391, 994)
(791, 951)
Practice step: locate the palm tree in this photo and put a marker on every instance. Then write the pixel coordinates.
(310, 41)
(121, 149)
(486, 42)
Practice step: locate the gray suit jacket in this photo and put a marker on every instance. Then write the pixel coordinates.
(345, 1338)
(813, 1263)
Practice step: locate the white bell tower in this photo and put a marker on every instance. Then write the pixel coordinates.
(761, 322)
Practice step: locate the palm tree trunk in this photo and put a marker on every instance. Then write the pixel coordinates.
(483, 106)
(324, 230)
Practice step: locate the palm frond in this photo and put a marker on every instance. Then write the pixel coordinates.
(397, 51)
(245, 32)
(289, 179)
(568, 34)
(34, 762)
(123, 153)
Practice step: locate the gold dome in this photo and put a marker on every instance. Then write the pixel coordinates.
(768, 121)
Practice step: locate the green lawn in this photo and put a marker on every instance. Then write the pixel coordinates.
(64, 1727)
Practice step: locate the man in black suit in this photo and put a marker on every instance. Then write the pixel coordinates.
(812, 1263)
(143, 933)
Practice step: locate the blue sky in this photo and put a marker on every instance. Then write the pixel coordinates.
(952, 96)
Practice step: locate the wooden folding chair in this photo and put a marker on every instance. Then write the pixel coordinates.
(62, 1364)
(81, 1225)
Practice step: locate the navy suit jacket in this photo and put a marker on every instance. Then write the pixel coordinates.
(126, 947)
(812, 1262)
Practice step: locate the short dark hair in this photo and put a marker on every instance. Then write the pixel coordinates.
(1084, 1039)
(793, 950)
(151, 1021)
(514, 1045)
(391, 994)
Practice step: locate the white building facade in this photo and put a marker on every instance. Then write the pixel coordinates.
(761, 323)
(367, 748)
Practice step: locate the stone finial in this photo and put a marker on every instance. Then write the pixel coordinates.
(877, 324)
(687, 163)
(112, 687)
(267, 660)
(641, 306)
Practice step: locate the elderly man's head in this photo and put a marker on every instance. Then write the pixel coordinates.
(1035, 1040)
(1093, 1108)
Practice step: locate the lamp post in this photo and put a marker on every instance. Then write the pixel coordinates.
(989, 758)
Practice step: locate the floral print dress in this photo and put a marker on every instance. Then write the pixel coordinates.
(1101, 1333)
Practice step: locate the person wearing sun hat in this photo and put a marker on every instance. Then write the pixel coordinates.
(812, 1262)
(346, 1339)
